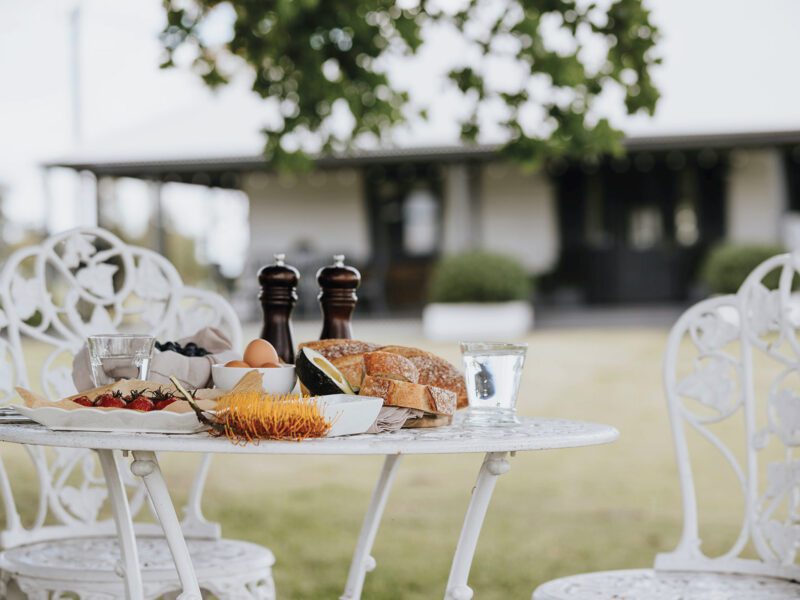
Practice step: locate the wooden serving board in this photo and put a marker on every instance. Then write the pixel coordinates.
(428, 421)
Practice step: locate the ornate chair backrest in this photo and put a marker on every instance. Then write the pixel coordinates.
(740, 392)
(52, 296)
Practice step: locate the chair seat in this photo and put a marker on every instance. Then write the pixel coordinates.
(647, 584)
(96, 560)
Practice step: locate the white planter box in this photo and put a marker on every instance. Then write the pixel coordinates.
(501, 321)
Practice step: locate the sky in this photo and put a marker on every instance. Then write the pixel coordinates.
(729, 65)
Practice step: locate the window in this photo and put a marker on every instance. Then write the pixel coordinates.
(420, 222)
(686, 231)
(645, 228)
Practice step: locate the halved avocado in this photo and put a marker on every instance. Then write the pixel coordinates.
(319, 375)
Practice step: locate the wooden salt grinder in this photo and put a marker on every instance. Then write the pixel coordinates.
(278, 296)
(337, 297)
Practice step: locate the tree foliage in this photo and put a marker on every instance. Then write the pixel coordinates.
(308, 56)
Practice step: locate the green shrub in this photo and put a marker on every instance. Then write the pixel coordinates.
(479, 277)
(728, 265)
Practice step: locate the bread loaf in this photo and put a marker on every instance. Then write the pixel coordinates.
(337, 348)
(352, 367)
(348, 357)
(410, 395)
(434, 371)
(390, 366)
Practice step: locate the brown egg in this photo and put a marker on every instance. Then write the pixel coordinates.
(259, 352)
(269, 365)
(237, 363)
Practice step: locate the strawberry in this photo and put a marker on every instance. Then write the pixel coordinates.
(110, 401)
(140, 403)
(83, 401)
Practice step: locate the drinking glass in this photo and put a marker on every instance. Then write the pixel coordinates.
(120, 356)
(492, 371)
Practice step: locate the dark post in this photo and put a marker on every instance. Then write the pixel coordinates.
(337, 297)
(278, 296)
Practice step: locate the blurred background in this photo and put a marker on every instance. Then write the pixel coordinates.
(92, 131)
(548, 208)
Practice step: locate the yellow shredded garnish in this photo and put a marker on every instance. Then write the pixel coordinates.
(251, 416)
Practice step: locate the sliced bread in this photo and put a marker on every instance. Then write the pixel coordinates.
(410, 395)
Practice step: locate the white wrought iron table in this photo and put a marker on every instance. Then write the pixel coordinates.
(496, 443)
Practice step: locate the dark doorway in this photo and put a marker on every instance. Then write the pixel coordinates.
(635, 229)
(791, 165)
(404, 204)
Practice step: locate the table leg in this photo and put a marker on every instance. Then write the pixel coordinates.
(494, 465)
(363, 562)
(145, 465)
(122, 519)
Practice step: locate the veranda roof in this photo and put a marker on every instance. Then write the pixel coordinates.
(213, 169)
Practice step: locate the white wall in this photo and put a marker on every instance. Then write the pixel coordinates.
(327, 209)
(756, 196)
(324, 208)
(518, 216)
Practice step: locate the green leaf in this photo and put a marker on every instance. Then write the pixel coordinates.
(290, 46)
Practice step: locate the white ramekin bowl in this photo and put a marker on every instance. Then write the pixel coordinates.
(275, 380)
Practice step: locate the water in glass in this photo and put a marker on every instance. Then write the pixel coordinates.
(492, 372)
(120, 356)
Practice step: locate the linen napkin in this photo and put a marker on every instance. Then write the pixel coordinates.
(193, 372)
(392, 418)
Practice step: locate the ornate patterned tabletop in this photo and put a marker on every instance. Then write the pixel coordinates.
(529, 434)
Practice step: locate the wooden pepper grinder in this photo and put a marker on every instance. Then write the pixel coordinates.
(278, 296)
(337, 297)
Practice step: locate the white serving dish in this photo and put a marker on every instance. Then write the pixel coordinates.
(276, 380)
(350, 414)
(129, 421)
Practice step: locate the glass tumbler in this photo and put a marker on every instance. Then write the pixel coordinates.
(120, 356)
(492, 371)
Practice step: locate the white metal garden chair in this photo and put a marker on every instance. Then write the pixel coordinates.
(720, 390)
(55, 294)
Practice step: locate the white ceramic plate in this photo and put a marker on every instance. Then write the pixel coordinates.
(350, 414)
(129, 421)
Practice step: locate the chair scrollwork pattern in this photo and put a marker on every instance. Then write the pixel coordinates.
(747, 367)
(54, 295)
(732, 376)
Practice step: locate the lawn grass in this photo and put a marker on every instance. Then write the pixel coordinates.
(555, 513)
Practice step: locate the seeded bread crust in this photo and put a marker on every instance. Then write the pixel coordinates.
(337, 348)
(390, 366)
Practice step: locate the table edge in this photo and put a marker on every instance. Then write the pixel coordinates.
(605, 434)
